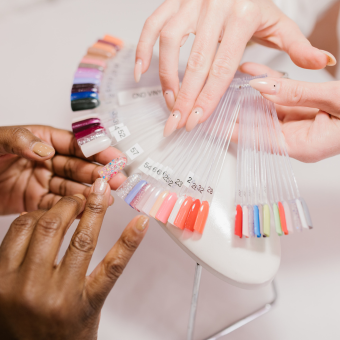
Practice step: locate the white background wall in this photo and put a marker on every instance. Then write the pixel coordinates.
(40, 48)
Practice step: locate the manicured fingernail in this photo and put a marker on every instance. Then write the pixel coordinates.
(99, 186)
(111, 200)
(82, 197)
(42, 149)
(142, 223)
(265, 85)
(184, 39)
(138, 70)
(169, 99)
(23, 213)
(331, 58)
(194, 118)
(172, 123)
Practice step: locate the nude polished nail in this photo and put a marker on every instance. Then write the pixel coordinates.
(42, 149)
(169, 99)
(99, 186)
(194, 118)
(138, 70)
(142, 223)
(265, 85)
(172, 123)
(331, 59)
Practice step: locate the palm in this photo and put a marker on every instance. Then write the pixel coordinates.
(29, 185)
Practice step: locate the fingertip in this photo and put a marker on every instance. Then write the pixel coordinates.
(142, 223)
(309, 57)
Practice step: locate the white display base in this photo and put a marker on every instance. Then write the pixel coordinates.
(247, 263)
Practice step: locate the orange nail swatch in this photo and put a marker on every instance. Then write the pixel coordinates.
(104, 47)
(202, 217)
(183, 213)
(192, 214)
(99, 52)
(113, 40)
(283, 219)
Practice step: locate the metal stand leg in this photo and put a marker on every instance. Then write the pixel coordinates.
(197, 280)
(264, 310)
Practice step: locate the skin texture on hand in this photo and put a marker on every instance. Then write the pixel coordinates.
(223, 29)
(41, 299)
(309, 113)
(41, 164)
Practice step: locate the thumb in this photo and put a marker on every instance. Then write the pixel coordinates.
(300, 50)
(287, 92)
(18, 140)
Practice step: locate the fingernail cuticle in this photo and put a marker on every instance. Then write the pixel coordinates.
(142, 223)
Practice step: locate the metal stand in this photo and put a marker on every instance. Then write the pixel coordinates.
(238, 324)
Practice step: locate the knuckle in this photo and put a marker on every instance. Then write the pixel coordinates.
(23, 222)
(246, 10)
(167, 36)
(207, 97)
(95, 208)
(68, 168)
(129, 244)
(49, 224)
(70, 201)
(196, 61)
(184, 96)
(151, 23)
(83, 242)
(221, 67)
(115, 268)
(295, 94)
(164, 72)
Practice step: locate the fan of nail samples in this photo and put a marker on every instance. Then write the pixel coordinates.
(176, 182)
(266, 188)
(109, 106)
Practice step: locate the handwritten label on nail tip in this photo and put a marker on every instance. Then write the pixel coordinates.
(138, 94)
(121, 133)
(134, 151)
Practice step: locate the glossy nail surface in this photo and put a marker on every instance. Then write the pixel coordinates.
(105, 47)
(301, 214)
(245, 223)
(82, 95)
(148, 191)
(127, 185)
(331, 59)
(265, 85)
(192, 215)
(138, 70)
(91, 66)
(42, 149)
(159, 201)
(288, 215)
(257, 221)
(87, 80)
(261, 218)
(134, 191)
(183, 213)
(277, 220)
(112, 168)
(151, 200)
(307, 213)
(172, 123)
(165, 209)
(202, 217)
(238, 221)
(175, 209)
(84, 104)
(266, 220)
(88, 131)
(139, 196)
(142, 223)
(283, 218)
(194, 118)
(100, 52)
(99, 186)
(97, 145)
(114, 40)
(169, 99)
(93, 61)
(85, 124)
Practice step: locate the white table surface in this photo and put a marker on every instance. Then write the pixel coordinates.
(40, 48)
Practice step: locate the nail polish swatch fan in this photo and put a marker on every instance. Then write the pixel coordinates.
(246, 262)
